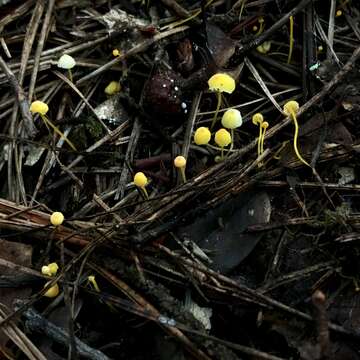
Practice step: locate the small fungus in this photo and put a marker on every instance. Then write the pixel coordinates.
(140, 180)
(56, 218)
(290, 109)
(116, 52)
(41, 108)
(257, 120)
(50, 269)
(202, 136)
(113, 87)
(231, 119)
(220, 83)
(222, 139)
(180, 163)
(67, 62)
(53, 291)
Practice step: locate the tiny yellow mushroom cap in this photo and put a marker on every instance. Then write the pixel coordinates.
(291, 106)
(45, 270)
(257, 119)
(180, 162)
(140, 180)
(57, 218)
(39, 107)
(202, 136)
(261, 20)
(53, 267)
(222, 138)
(255, 28)
(53, 291)
(338, 13)
(116, 52)
(50, 269)
(265, 125)
(66, 62)
(231, 119)
(113, 88)
(221, 82)
(264, 48)
(320, 48)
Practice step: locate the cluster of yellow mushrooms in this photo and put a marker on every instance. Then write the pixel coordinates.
(223, 83)
(219, 83)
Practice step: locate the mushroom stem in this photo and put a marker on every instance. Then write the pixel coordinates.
(145, 192)
(48, 123)
(182, 173)
(296, 135)
(259, 141)
(70, 75)
(218, 93)
(291, 45)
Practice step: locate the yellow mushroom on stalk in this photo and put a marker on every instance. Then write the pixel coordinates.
(231, 120)
(290, 109)
(220, 83)
(140, 180)
(257, 120)
(202, 136)
(263, 126)
(222, 139)
(180, 163)
(41, 108)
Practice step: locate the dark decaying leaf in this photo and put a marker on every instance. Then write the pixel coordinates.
(221, 232)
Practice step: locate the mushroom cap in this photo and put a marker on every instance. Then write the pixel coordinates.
(113, 88)
(222, 138)
(66, 62)
(56, 218)
(291, 106)
(39, 107)
(202, 136)
(140, 180)
(45, 270)
(264, 47)
(53, 267)
(180, 162)
(265, 125)
(53, 291)
(231, 119)
(257, 119)
(221, 82)
(116, 52)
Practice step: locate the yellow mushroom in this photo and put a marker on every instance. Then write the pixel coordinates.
(257, 120)
(41, 108)
(113, 87)
(57, 218)
(202, 136)
(180, 163)
(222, 139)
(231, 119)
(220, 83)
(264, 126)
(50, 269)
(290, 109)
(116, 52)
(140, 180)
(53, 291)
